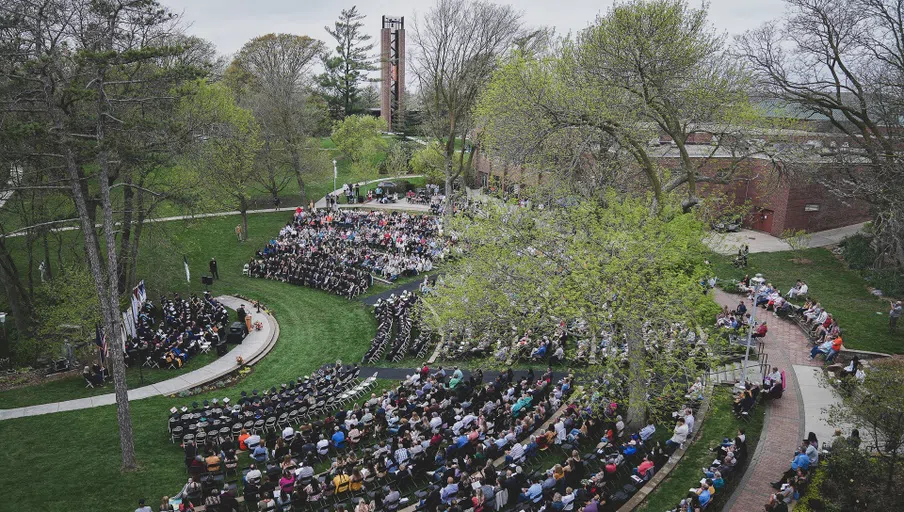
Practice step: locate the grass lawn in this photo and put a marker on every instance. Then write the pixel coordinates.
(79, 451)
(720, 423)
(862, 316)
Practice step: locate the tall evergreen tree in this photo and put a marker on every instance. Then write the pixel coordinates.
(346, 71)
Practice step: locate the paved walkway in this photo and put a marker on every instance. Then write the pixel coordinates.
(786, 418)
(254, 347)
(728, 243)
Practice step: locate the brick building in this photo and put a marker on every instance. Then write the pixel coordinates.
(778, 202)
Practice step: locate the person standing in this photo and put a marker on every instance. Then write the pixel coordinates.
(213, 268)
(893, 315)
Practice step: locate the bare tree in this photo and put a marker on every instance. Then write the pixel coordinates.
(844, 61)
(271, 74)
(456, 46)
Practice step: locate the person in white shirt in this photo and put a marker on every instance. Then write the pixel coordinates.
(560, 431)
(516, 453)
(323, 446)
(679, 435)
(800, 290)
(689, 420)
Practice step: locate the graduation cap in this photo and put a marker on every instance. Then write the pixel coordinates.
(184, 409)
(173, 410)
(226, 400)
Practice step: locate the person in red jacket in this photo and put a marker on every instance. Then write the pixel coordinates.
(761, 331)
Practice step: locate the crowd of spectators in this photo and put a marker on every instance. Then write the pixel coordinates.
(429, 429)
(171, 333)
(337, 250)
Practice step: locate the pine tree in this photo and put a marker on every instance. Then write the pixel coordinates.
(346, 70)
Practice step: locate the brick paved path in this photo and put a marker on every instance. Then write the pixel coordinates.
(783, 430)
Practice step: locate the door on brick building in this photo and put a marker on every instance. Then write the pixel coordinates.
(762, 220)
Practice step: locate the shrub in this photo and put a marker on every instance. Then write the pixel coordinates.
(889, 280)
(857, 251)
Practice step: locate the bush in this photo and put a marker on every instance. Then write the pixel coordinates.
(889, 280)
(857, 252)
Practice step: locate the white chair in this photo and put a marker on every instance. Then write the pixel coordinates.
(246, 270)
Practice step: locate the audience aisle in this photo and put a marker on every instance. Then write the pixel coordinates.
(253, 348)
(785, 418)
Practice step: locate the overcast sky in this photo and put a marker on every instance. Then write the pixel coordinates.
(230, 23)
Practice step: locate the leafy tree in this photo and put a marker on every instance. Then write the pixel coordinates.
(229, 142)
(360, 140)
(430, 162)
(877, 407)
(398, 158)
(271, 75)
(607, 264)
(346, 71)
(797, 240)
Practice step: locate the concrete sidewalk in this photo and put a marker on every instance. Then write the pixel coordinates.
(254, 347)
(728, 243)
(816, 398)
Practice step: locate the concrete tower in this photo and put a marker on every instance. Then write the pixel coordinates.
(392, 60)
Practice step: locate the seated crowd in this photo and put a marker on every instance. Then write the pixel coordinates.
(427, 430)
(794, 481)
(176, 331)
(337, 250)
(821, 328)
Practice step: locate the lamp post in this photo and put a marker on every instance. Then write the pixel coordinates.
(757, 282)
(335, 174)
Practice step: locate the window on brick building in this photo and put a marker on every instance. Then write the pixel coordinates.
(811, 207)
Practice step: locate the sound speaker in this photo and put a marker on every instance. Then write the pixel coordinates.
(236, 333)
(208, 280)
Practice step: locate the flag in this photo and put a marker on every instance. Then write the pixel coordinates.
(187, 272)
(100, 339)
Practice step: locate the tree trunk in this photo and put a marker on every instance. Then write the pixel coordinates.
(136, 239)
(46, 245)
(107, 296)
(126, 233)
(296, 164)
(447, 163)
(17, 297)
(243, 208)
(29, 251)
(637, 387)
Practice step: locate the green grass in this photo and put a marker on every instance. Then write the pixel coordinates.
(720, 423)
(862, 316)
(79, 450)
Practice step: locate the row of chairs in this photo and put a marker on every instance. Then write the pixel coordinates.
(189, 427)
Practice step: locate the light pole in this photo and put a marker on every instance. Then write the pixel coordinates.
(335, 174)
(757, 282)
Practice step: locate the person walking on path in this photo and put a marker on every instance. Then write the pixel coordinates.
(893, 315)
(213, 268)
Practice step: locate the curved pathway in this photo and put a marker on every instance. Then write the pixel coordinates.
(784, 426)
(254, 347)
